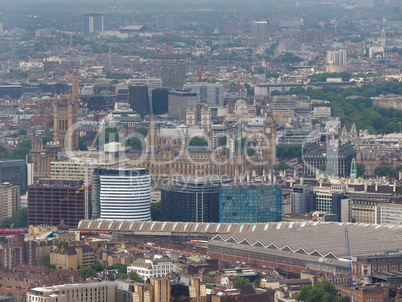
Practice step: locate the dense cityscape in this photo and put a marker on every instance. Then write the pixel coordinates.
(157, 151)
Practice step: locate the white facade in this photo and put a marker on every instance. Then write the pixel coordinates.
(336, 57)
(151, 82)
(125, 194)
(152, 268)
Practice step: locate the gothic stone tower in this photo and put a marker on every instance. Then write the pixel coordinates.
(269, 143)
(66, 114)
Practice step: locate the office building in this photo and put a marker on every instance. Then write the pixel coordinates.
(207, 93)
(52, 201)
(152, 83)
(93, 23)
(250, 203)
(160, 101)
(16, 251)
(42, 158)
(171, 68)
(87, 292)
(15, 172)
(10, 199)
(166, 21)
(301, 199)
(192, 198)
(65, 109)
(121, 194)
(152, 268)
(138, 98)
(334, 156)
(330, 201)
(336, 57)
(259, 31)
(179, 101)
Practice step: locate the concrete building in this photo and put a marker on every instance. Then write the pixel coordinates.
(152, 268)
(332, 202)
(192, 199)
(259, 31)
(171, 68)
(301, 199)
(250, 203)
(336, 57)
(152, 83)
(10, 199)
(93, 23)
(179, 101)
(207, 93)
(121, 194)
(51, 202)
(86, 292)
(321, 112)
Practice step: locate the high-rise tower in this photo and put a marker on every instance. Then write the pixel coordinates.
(65, 109)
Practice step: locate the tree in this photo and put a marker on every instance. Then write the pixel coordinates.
(46, 139)
(361, 169)
(6, 223)
(123, 277)
(156, 211)
(109, 135)
(322, 291)
(283, 166)
(82, 146)
(62, 244)
(121, 267)
(98, 266)
(21, 151)
(198, 141)
(142, 131)
(45, 260)
(384, 171)
(135, 277)
(288, 151)
(4, 154)
(223, 141)
(244, 143)
(21, 218)
(239, 282)
(87, 272)
(22, 132)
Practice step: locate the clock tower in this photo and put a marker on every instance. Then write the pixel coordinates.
(269, 143)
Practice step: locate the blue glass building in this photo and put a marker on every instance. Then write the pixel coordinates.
(250, 203)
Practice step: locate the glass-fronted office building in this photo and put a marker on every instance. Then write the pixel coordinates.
(250, 203)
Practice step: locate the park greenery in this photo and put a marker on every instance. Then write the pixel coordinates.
(19, 152)
(321, 291)
(282, 166)
(20, 219)
(354, 105)
(198, 141)
(387, 171)
(87, 272)
(136, 142)
(239, 282)
(243, 144)
(285, 152)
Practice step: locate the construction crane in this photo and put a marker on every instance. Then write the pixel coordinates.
(156, 49)
(168, 49)
(352, 295)
(199, 70)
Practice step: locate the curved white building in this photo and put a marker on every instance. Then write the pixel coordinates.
(122, 194)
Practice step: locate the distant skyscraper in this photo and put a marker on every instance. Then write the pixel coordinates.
(93, 22)
(138, 98)
(121, 194)
(160, 101)
(259, 31)
(336, 57)
(207, 93)
(383, 37)
(171, 68)
(179, 101)
(14, 172)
